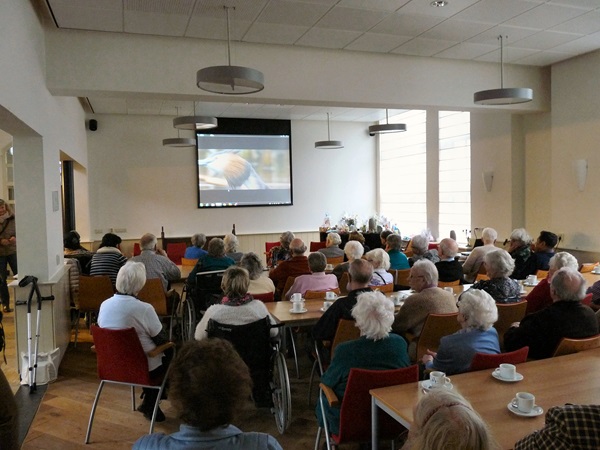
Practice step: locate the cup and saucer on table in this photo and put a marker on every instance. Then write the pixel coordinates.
(297, 304)
(596, 270)
(524, 405)
(437, 380)
(531, 280)
(330, 297)
(507, 373)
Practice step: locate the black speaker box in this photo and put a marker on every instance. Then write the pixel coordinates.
(93, 125)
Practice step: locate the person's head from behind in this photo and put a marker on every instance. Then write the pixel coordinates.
(231, 243)
(567, 285)
(393, 242)
(420, 244)
(131, 278)
(198, 240)
(489, 236)
(216, 248)
(5, 209)
(297, 247)
(448, 248)
(356, 236)
(333, 240)
(423, 275)
(379, 258)
(477, 310)
(353, 250)
(443, 419)
(361, 272)
(209, 383)
(560, 260)
(148, 242)
(546, 241)
(499, 264)
(374, 315)
(383, 236)
(110, 240)
(317, 262)
(235, 282)
(286, 239)
(72, 240)
(253, 264)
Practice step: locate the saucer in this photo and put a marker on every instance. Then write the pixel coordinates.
(596, 272)
(496, 375)
(530, 284)
(536, 411)
(427, 385)
(323, 309)
(298, 312)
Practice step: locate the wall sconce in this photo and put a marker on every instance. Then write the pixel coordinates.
(581, 168)
(488, 179)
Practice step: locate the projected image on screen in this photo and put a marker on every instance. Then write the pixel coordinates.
(243, 170)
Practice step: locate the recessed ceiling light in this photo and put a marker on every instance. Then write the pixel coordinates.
(439, 3)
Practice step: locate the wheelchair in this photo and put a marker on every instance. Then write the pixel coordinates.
(263, 356)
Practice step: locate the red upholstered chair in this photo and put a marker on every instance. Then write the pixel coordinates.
(482, 361)
(175, 251)
(270, 245)
(355, 412)
(315, 246)
(587, 300)
(136, 249)
(122, 360)
(265, 298)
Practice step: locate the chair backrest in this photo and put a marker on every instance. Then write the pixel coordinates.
(385, 288)
(335, 260)
(315, 246)
(587, 267)
(355, 412)
(189, 261)
(93, 291)
(208, 289)
(402, 277)
(587, 300)
(541, 274)
(270, 245)
(344, 280)
(287, 286)
(567, 345)
(120, 356)
(319, 295)
(136, 249)
(508, 313)
(408, 251)
(482, 361)
(154, 293)
(436, 327)
(346, 331)
(481, 276)
(444, 284)
(482, 269)
(265, 298)
(175, 251)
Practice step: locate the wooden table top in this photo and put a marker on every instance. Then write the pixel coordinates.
(555, 381)
(282, 314)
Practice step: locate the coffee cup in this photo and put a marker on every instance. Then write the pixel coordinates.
(329, 267)
(438, 379)
(531, 279)
(298, 305)
(330, 295)
(449, 289)
(524, 402)
(507, 371)
(327, 304)
(296, 297)
(396, 298)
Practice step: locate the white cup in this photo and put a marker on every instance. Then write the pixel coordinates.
(396, 299)
(449, 289)
(438, 379)
(296, 297)
(327, 304)
(298, 305)
(507, 371)
(524, 402)
(329, 267)
(330, 295)
(531, 279)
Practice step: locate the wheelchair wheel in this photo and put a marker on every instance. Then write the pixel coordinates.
(280, 388)
(188, 320)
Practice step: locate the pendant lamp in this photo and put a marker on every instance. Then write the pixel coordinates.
(503, 96)
(387, 127)
(179, 141)
(328, 144)
(194, 122)
(232, 80)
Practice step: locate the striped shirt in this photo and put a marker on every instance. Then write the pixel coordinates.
(107, 261)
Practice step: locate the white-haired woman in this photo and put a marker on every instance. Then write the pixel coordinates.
(281, 252)
(259, 284)
(381, 263)
(444, 419)
(376, 349)
(232, 246)
(520, 248)
(353, 250)
(420, 248)
(499, 265)
(539, 297)
(195, 251)
(332, 246)
(475, 260)
(477, 313)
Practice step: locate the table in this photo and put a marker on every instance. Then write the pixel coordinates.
(554, 381)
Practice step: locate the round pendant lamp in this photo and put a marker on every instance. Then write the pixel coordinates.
(179, 141)
(195, 122)
(328, 144)
(386, 127)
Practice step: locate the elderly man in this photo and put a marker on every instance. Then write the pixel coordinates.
(293, 267)
(566, 317)
(428, 299)
(420, 248)
(449, 269)
(398, 260)
(318, 280)
(473, 263)
(543, 250)
(157, 264)
(360, 272)
(332, 246)
(539, 297)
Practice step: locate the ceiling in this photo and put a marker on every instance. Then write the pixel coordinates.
(538, 33)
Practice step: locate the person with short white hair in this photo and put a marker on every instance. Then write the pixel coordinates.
(499, 265)
(474, 261)
(519, 248)
(332, 246)
(449, 269)
(232, 247)
(539, 297)
(376, 349)
(317, 280)
(420, 249)
(353, 250)
(477, 313)
(381, 263)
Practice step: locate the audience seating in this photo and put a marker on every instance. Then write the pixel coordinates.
(92, 292)
(508, 313)
(482, 269)
(482, 361)
(154, 293)
(189, 261)
(319, 295)
(444, 284)
(567, 345)
(587, 267)
(265, 298)
(436, 327)
(385, 288)
(402, 277)
(335, 260)
(175, 251)
(541, 274)
(136, 249)
(481, 276)
(287, 286)
(270, 245)
(587, 300)
(315, 246)
(343, 284)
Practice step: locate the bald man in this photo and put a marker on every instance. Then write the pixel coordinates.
(449, 269)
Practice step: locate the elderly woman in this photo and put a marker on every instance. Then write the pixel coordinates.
(473, 263)
(477, 313)
(196, 251)
(237, 307)
(420, 248)
(317, 280)
(259, 284)
(353, 250)
(499, 265)
(215, 259)
(381, 263)
(357, 236)
(539, 297)
(124, 310)
(232, 246)
(444, 419)
(209, 386)
(332, 249)
(519, 248)
(282, 251)
(398, 260)
(376, 349)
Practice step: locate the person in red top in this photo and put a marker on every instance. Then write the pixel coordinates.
(296, 265)
(539, 298)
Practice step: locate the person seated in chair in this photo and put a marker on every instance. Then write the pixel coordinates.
(543, 250)
(499, 265)
(124, 310)
(449, 269)
(420, 248)
(293, 267)
(353, 250)
(259, 284)
(332, 246)
(398, 260)
(520, 251)
(282, 251)
(209, 386)
(232, 246)
(318, 280)
(474, 261)
(195, 251)
(381, 263)
(215, 259)
(155, 259)
(376, 349)
(108, 259)
(74, 249)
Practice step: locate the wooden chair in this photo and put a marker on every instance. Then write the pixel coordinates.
(587, 267)
(265, 298)
(122, 360)
(344, 280)
(270, 245)
(481, 276)
(316, 246)
(189, 261)
(436, 327)
(287, 286)
(444, 284)
(482, 269)
(153, 292)
(319, 295)
(567, 345)
(541, 274)
(355, 408)
(335, 260)
(408, 251)
(508, 313)
(385, 288)
(482, 361)
(92, 292)
(402, 277)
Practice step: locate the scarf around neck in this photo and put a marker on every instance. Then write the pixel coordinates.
(239, 301)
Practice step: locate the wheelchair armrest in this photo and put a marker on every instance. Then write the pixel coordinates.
(330, 395)
(161, 348)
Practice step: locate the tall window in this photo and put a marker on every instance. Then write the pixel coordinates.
(402, 173)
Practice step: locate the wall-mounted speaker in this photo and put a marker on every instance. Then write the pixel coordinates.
(93, 125)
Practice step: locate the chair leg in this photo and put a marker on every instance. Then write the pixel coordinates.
(132, 397)
(318, 440)
(295, 354)
(93, 413)
(325, 427)
(76, 330)
(310, 382)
